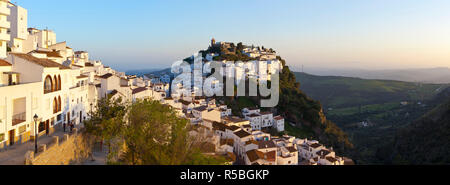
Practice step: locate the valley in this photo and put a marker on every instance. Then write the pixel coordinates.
(371, 111)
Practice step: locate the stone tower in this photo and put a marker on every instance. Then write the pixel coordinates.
(213, 42)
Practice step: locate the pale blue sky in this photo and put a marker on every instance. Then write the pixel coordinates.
(137, 34)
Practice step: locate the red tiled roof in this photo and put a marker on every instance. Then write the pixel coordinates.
(39, 61)
(219, 126)
(106, 76)
(254, 155)
(291, 149)
(242, 134)
(315, 145)
(79, 52)
(4, 63)
(82, 76)
(234, 127)
(278, 118)
(266, 144)
(53, 54)
(139, 89)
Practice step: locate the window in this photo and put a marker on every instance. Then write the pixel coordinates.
(55, 83)
(59, 103)
(59, 82)
(55, 105)
(48, 85)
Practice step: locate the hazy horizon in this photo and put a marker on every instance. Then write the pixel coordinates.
(380, 34)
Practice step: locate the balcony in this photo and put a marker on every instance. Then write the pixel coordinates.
(19, 111)
(19, 118)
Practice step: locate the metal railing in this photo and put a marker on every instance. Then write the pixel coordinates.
(19, 118)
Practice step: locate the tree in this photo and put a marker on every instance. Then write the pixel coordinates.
(106, 124)
(150, 133)
(240, 46)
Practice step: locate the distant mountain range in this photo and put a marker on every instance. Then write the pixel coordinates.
(428, 75)
(350, 91)
(140, 72)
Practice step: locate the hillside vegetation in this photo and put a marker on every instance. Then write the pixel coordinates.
(352, 101)
(342, 92)
(425, 141)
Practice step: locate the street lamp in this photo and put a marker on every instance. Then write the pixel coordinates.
(35, 133)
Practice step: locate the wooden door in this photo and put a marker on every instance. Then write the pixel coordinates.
(12, 137)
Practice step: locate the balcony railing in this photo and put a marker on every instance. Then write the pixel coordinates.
(19, 118)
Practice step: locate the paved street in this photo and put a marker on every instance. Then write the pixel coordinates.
(15, 155)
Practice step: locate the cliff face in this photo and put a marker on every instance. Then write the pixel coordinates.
(427, 140)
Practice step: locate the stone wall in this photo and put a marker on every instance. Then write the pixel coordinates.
(71, 149)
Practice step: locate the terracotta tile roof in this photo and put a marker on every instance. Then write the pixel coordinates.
(201, 109)
(234, 127)
(254, 155)
(139, 89)
(78, 66)
(315, 145)
(106, 76)
(79, 52)
(291, 149)
(278, 118)
(39, 61)
(53, 54)
(82, 76)
(253, 115)
(4, 63)
(266, 144)
(184, 102)
(242, 134)
(229, 142)
(219, 126)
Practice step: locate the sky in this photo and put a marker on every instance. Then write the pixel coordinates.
(335, 34)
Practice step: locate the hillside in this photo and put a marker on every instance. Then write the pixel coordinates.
(304, 116)
(377, 103)
(427, 140)
(349, 92)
